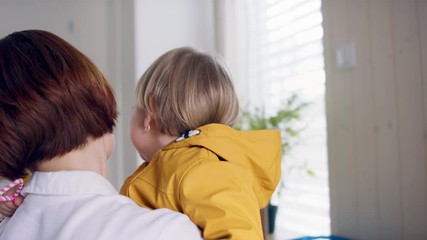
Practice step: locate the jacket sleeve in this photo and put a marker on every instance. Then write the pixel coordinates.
(218, 197)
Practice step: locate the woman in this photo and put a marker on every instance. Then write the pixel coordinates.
(56, 120)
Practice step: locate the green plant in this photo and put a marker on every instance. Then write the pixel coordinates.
(284, 119)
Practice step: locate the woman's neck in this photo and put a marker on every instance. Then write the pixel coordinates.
(92, 156)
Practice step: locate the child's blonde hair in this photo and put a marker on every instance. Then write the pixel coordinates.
(185, 89)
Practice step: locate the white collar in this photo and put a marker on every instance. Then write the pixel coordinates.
(68, 183)
(188, 134)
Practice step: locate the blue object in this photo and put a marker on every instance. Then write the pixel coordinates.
(332, 237)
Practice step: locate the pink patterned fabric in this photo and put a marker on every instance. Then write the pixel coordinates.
(18, 182)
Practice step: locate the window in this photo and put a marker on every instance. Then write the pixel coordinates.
(274, 49)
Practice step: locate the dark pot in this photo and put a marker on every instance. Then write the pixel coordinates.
(272, 213)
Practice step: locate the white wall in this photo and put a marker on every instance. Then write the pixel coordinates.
(165, 24)
(377, 118)
(83, 23)
(121, 49)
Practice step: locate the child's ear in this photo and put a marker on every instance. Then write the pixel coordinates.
(148, 120)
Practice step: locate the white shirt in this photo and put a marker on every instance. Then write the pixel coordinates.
(84, 205)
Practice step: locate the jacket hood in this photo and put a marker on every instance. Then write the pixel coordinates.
(259, 151)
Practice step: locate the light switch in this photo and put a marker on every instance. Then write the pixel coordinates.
(345, 57)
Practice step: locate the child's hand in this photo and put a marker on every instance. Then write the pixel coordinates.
(8, 208)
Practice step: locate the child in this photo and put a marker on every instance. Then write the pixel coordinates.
(195, 162)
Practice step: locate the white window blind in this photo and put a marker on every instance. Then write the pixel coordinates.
(275, 49)
(291, 51)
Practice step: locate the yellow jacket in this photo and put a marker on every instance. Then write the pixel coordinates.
(220, 178)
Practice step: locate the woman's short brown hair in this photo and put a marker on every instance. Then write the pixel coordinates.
(185, 89)
(52, 98)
